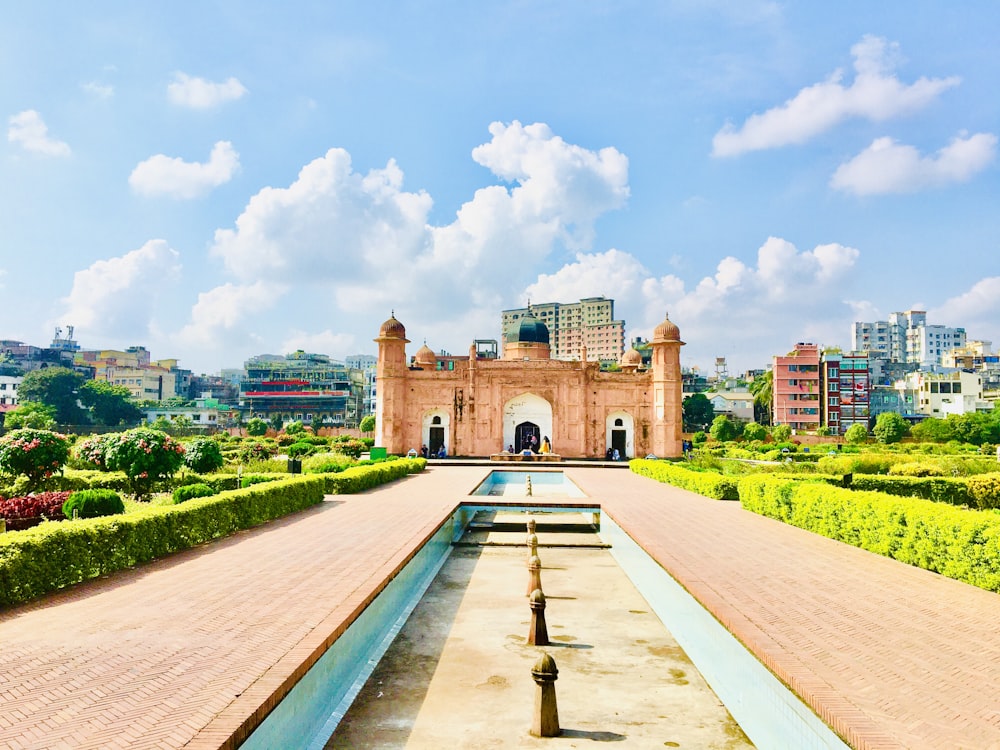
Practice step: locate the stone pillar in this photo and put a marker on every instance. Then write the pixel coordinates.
(538, 634)
(534, 574)
(545, 719)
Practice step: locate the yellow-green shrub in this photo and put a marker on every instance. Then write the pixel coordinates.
(705, 483)
(958, 543)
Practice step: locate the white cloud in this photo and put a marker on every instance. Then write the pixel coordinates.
(30, 131)
(176, 178)
(198, 93)
(977, 309)
(876, 94)
(116, 298)
(740, 310)
(364, 243)
(889, 167)
(98, 90)
(221, 311)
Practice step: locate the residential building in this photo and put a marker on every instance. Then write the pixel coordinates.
(572, 326)
(735, 403)
(304, 387)
(8, 394)
(846, 382)
(206, 413)
(907, 337)
(796, 388)
(939, 394)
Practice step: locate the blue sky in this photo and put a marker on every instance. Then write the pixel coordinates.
(219, 179)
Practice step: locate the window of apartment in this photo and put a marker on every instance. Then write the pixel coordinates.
(834, 387)
(834, 401)
(945, 387)
(956, 387)
(834, 372)
(935, 388)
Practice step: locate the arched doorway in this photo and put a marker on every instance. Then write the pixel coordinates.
(620, 434)
(434, 432)
(527, 435)
(526, 415)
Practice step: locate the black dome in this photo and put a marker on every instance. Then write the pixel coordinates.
(529, 331)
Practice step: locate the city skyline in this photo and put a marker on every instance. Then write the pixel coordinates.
(217, 182)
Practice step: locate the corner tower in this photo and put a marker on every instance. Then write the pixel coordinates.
(667, 407)
(390, 385)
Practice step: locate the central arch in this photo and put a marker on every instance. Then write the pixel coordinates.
(524, 415)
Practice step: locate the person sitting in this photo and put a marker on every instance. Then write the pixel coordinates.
(442, 452)
(616, 456)
(424, 452)
(546, 445)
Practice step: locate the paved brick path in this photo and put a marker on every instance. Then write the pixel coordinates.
(185, 652)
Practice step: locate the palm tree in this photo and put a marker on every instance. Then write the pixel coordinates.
(762, 389)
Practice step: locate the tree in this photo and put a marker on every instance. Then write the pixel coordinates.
(109, 404)
(762, 390)
(203, 455)
(56, 387)
(367, 425)
(723, 429)
(256, 427)
(145, 456)
(698, 412)
(33, 414)
(890, 427)
(856, 433)
(754, 431)
(933, 431)
(781, 432)
(37, 454)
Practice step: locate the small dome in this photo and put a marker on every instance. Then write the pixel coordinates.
(425, 356)
(529, 331)
(631, 358)
(667, 331)
(392, 329)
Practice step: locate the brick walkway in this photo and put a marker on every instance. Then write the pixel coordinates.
(185, 652)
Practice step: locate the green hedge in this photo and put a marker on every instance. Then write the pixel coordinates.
(955, 542)
(54, 555)
(941, 489)
(361, 478)
(704, 483)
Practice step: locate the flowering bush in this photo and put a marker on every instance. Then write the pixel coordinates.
(145, 456)
(203, 455)
(25, 512)
(37, 454)
(90, 451)
(252, 452)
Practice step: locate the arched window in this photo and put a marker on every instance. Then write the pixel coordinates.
(619, 423)
(436, 420)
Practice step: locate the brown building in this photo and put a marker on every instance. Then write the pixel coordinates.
(483, 405)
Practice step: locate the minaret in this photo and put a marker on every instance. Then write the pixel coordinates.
(390, 386)
(668, 416)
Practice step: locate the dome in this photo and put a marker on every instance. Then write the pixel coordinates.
(631, 358)
(392, 329)
(425, 356)
(667, 331)
(529, 331)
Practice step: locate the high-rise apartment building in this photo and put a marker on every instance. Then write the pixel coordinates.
(907, 337)
(846, 390)
(572, 326)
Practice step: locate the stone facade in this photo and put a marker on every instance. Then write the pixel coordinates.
(485, 405)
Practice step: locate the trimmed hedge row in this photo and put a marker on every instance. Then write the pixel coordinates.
(704, 483)
(361, 478)
(957, 543)
(55, 555)
(981, 491)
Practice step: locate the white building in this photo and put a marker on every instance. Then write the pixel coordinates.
(8, 392)
(907, 337)
(938, 394)
(736, 404)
